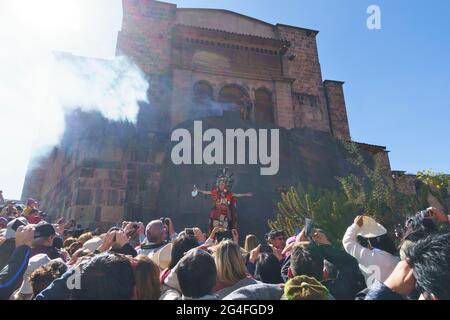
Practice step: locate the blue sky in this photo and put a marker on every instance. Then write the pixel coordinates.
(397, 79)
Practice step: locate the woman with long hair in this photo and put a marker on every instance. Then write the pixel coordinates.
(231, 271)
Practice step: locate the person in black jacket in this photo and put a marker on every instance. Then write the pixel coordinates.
(308, 259)
(11, 275)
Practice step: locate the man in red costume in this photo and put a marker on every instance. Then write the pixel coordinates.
(223, 214)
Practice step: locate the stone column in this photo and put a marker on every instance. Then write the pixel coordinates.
(284, 115)
(334, 93)
(182, 95)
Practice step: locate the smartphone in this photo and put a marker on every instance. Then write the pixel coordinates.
(426, 214)
(189, 231)
(17, 224)
(309, 228)
(132, 232)
(224, 235)
(167, 222)
(265, 248)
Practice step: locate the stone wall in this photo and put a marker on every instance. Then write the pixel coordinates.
(301, 62)
(146, 34)
(103, 172)
(405, 183)
(337, 110)
(224, 20)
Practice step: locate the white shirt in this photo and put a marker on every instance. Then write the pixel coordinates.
(374, 264)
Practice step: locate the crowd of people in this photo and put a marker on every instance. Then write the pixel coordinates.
(43, 261)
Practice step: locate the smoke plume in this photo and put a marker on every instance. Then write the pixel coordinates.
(38, 86)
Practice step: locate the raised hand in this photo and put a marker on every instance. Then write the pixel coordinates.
(108, 241)
(254, 254)
(235, 234)
(199, 236)
(359, 220)
(214, 232)
(24, 236)
(301, 237)
(59, 229)
(170, 227)
(121, 238)
(437, 214)
(141, 229)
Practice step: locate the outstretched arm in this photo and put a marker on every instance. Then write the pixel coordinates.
(240, 195)
(205, 192)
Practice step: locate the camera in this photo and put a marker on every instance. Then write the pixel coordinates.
(224, 235)
(426, 214)
(135, 227)
(265, 248)
(189, 231)
(165, 221)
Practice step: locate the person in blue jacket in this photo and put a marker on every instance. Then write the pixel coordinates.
(11, 275)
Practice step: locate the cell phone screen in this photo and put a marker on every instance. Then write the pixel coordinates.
(265, 248)
(224, 235)
(17, 224)
(309, 227)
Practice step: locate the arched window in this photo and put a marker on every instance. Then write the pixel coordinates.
(236, 98)
(263, 107)
(203, 92)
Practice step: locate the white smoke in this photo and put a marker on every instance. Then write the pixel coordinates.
(111, 87)
(38, 86)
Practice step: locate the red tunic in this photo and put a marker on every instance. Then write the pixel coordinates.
(223, 213)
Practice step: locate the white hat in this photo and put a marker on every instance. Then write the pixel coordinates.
(10, 232)
(34, 263)
(162, 257)
(93, 244)
(371, 229)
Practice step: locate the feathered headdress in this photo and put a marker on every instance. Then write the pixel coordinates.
(224, 175)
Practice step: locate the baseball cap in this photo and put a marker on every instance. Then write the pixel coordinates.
(44, 229)
(31, 201)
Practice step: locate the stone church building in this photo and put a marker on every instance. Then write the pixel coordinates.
(200, 63)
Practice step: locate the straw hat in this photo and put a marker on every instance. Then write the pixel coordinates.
(371, 228)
